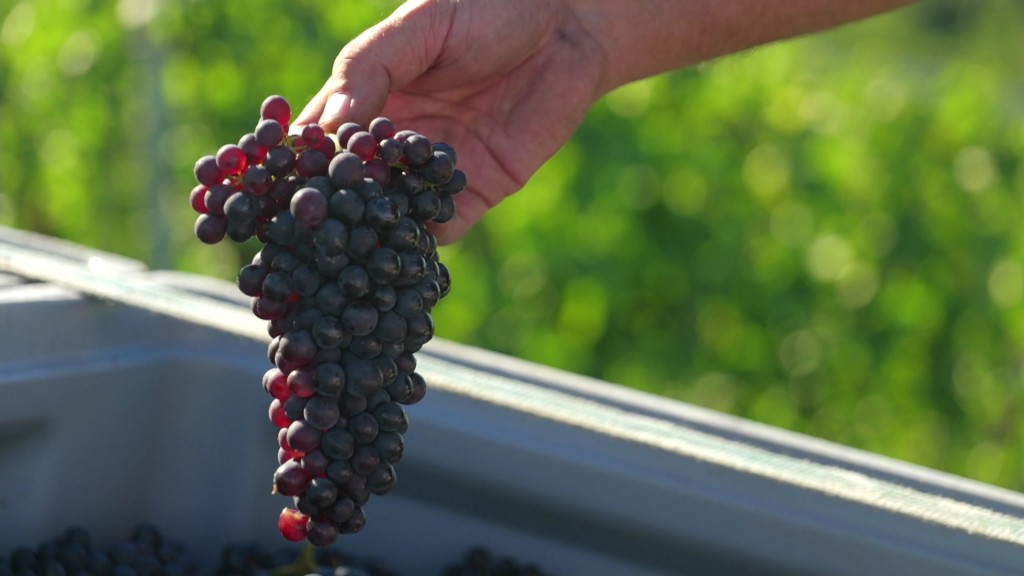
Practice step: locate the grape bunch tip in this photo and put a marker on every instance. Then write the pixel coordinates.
(346, 279)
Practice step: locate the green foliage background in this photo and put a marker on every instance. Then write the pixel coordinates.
(823, 234)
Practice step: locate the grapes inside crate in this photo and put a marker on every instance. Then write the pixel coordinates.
(129, 395)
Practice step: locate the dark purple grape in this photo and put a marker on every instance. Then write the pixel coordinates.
(280, 161)
(311, 162)
(389, 150)
(285, 262)
(382, 128)
(298, 347)
(346, 130)
(330, 266)
(359, 318)
(309, 206)
(430, 292)
(424, 205)
(391, 417)
(294, 405)
(330, 379)
(368, 346)
(346, 170)
(416, 149)
(240, 231)
(340, 471)
(303, 436)
(406, 363)
(447, 149)
(282, 228)
(412, 183)
(362, 240)
(321, 492)
(381, 479)
(362, 144)
(419, 389)
(269, 133)
(383, 265)
(328, 332)
(390, 446)
(314, 463)
(363, 377)
(377, 171)
(409, 303)
(256, 180)
(342, 508)
(414, 268)
(277, 286)
(210, 229)
(420, 327)
(301, 382)
(440, 168)
(330, 299)
(456, 184)
(290, 479)
(355, 522)
(405, 235)
(255, 152)
(321, 533)
(447, 211)
(383, 297)
(381, 213)
(215, 198)
(250, 279)
(306, 280)
(347, 205)
(321, 412)
(363, 427)
(207, 172)
(354, 281)
(353, 403)
(338, 444)
(391, 327)
(365, 459)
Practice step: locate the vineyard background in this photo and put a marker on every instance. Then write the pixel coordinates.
(823, 234)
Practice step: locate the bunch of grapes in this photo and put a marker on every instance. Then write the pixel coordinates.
(144, 551)
(346, 278)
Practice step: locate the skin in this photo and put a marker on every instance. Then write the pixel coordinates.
(507, 83)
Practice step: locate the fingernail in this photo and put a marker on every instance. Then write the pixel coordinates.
(336, 107)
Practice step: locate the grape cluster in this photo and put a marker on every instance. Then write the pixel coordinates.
(346, 278)
(144, 552)
(479, 561)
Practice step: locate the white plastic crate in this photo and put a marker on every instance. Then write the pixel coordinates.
(146, 404)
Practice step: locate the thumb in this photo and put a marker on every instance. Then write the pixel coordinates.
(384, 58)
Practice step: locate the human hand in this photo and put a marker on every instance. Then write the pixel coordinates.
(505, 83)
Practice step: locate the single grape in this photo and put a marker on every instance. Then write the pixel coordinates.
(311, 162)
(269, 132)
(382, 128)
(330, 379)
(321, 412)
(289, 478)
(359, 318)
(303, 436)
(276, 107)
(207, 172)
(346, 130)
(255, 153)
(292, 524)
(362, 144)
(210, 229)
(231, 159)
(250, 279)
(338, 443)
(416, 149)
(309, 206)
(312, 134)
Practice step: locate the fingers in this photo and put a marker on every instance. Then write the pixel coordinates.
(384, 58)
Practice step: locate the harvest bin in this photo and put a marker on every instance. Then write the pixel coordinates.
(129, 395)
